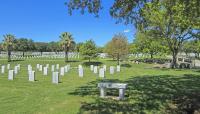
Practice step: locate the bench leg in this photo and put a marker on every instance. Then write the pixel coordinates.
(121, 94)
(102, 92)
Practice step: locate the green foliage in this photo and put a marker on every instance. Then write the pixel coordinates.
(54, 47)
(9, 44)
(192, 46)
(117, 47)
(88, 50)
(171, 21)
(100, 49)
(78, 46)
(24, 45)
(149, 45)
(67, 43)
(92, 6)
(41, 46)
(174, 20)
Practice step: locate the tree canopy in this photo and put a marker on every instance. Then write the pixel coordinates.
(88, 50)
(117, 47)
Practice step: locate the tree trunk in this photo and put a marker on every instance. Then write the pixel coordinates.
(23, 54)
(151, 55)
(66, 54)
(9, 56)
(41, 53)
(174, 59)
(118, 59)
(89, 59)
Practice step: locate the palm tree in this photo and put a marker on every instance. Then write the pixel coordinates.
(67, 42)
(8, 44)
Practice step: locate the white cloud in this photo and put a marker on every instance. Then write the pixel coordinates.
(127, 30)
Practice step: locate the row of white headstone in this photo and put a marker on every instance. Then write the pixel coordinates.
(16, 68)
(31, 76)
(103, 70)
(55, 75)
(13, 73)
(63, 70)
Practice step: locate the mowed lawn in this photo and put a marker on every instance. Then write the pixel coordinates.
(149, 90)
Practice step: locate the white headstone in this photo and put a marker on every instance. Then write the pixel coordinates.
(52, 68)
(80, 72)
(91, 67)
(40, 69)
(57, 66)
(8, 66)
(29, 68)
(16, 69)
(45, 72)
(118, 68)
(80, 66)
(31, 76)
(38, 66)
(47, 65)
(95, 69)
(62, 71)
(3, 69)
(55, 78)
(102, 72)
(66, 68)
(112, 69)
(10, 75)
(104, 67)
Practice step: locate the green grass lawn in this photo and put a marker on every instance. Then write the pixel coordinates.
(150, 90)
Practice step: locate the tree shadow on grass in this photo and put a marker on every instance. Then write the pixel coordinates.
(17, 60)
(73, 61)
(126, 65)
(148, 94)
(92, 63)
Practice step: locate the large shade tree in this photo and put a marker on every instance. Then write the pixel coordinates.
(67, 42)
(170, 20)
(174, 20)
(88, 50)
(117, 47)
(8, 44)
(149, 45)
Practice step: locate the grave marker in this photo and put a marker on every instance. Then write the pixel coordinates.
(31, 76)
(118, 68)
(91, 67)
(45, 72)
(112, 69)
(102, 72)
(80, 72)
(95, 69)
(55, 78)
(3, 69)
(62, 71)
(10, 75)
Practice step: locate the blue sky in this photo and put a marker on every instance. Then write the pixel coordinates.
(45, 20)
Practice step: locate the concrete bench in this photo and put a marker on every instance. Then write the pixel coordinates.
(121, 86)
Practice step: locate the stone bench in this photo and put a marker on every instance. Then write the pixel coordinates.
(121, 86)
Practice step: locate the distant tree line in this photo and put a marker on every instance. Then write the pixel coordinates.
(117, 48)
